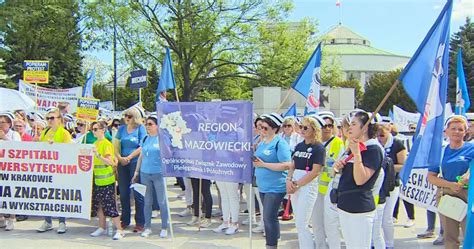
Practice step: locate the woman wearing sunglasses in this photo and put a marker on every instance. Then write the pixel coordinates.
(55, 133)
(82, 129)
(127, 150)
(272, 160)
(103, 193)
(149, 170)
(308, 159)
(355, 198)
(289, 134)
(325, 225)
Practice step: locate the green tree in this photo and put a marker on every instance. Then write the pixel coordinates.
(376, 89)
(42, 30)
(102, 92)
(464, 38)
(204, 36)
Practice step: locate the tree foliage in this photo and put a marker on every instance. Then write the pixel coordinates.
(352, 83)
(378, 86)
(42, 30)
(464, 38)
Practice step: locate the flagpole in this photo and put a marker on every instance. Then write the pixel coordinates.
(390, 91)
(176, 94)
(200, 204)
(284, 100)
(250, 214)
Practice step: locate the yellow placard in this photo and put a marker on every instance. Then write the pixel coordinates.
(35, 71)
(87, 109)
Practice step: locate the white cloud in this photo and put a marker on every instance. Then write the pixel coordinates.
(463, 9)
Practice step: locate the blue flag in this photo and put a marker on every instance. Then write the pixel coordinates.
(390, 115)
(87, 92)
(425, 80)
(462, 95)
(166, 80)
(291, 111)
(468, 238)
(310, 74)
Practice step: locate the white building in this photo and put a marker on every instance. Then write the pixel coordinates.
(359, 60)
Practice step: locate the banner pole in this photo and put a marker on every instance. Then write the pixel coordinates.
(139, 94)
(284, 99)
(176, 94)
(36, 108)
(170, 222)
(390, 91)
(250, 214)
(200, 204)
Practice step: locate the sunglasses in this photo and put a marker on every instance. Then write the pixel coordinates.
(19, 126)
(96, 129)
(80, 125)
(128, 116)
(51, 118)
(330, 126)
(266, 128)
(149, 124)
(116, 125)
(287, 126)
(304, 127)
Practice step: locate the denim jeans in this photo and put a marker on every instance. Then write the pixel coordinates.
(271, 202)
(157, 182)
(125, 174)
(431, 217)
(49, 219)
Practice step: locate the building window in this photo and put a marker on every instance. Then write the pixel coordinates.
(349, 41)
(364, 42)
(333, 41)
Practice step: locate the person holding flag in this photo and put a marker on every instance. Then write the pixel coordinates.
(454, 170)
(355, 200)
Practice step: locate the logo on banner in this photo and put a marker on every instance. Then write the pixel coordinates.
(313, 103)
(433, 106)
(176, 126)
(85, 162)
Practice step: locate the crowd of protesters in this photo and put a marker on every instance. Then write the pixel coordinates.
(338, 176)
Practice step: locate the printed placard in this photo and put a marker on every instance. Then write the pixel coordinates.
(35, 71)
(46, 179)
(87, 109)
(419, 191)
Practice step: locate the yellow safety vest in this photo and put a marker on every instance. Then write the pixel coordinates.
(333, 151)
(103, 174)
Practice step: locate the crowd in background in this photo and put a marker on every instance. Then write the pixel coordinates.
(338, 177)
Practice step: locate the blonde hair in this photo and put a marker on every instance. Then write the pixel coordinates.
(458, 120)
(58, 115)
(137, 119)
(289, 121)
(316, 130)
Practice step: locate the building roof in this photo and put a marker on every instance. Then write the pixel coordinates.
(342, 40)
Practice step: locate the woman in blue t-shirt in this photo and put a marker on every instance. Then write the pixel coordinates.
(355, 200)
(272, 160)
(149, 170)
(454, 170)
(127, 150)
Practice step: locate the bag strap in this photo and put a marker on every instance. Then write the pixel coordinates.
(329, 141)
(443, 150)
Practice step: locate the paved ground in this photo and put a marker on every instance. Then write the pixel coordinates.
(25, 236)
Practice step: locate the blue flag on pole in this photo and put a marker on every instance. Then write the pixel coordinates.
(166, 80)
(462, 95)
(425, 80)
(308, 82)
(87, 92)
(291, 111)
(390, 115)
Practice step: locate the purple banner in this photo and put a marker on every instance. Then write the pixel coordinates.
(209, 140)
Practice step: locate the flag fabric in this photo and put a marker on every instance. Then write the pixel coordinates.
(308, 82)
(166, 80)
(462, 95)
(87, 92)
(425, 79)
(390, 115)
(291, 111)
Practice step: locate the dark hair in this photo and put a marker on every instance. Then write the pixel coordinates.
(256, 121)
(271, 124)
(101, 124)
(152, 119)
(372, 128)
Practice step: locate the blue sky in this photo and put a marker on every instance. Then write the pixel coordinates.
(397, 26)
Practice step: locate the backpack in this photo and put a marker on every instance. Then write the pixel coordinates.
(389, 181)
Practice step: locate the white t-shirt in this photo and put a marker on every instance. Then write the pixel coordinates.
(13, 136)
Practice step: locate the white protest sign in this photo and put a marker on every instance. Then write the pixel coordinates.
(419, 191)
(403, 119)
(48, 97)
(46, 179)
